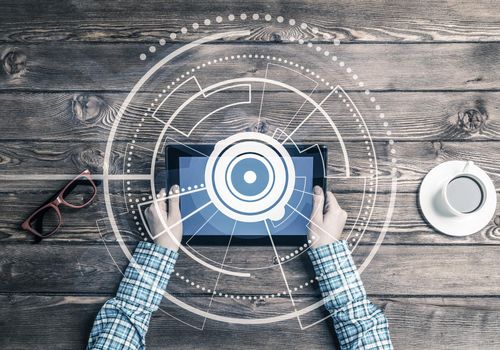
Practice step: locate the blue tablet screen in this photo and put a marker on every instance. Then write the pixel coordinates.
(211, 222)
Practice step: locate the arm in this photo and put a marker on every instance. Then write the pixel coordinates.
(358, 323)
(123, 321)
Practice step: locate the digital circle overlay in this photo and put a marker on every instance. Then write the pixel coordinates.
(252, 102)
(250, 151)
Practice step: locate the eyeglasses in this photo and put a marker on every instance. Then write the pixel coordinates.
(77, 194)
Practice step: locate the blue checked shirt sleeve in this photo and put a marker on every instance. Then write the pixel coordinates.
(123, 321)
(358, 323)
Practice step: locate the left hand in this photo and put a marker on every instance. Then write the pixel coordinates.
(327, 219)
(172, 217)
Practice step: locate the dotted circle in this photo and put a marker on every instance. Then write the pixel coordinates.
(346, 101)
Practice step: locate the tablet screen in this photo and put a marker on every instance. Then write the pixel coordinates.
(200, 218)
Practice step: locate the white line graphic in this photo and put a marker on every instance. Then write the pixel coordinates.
(204, 94)
(308, 116)
(201, 227)
(218, 276)
(264, 89)
(114, 129)
(379, 241)
(112, 216)
(60, 177)
(175, 195)
(298, 203)
(310, 222)
(120, 270)
(183, 219)
(182, 144)
(282, 271)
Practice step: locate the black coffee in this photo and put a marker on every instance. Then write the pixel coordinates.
(464, 194)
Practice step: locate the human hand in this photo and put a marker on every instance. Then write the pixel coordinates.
(172, 217)
(327, 219)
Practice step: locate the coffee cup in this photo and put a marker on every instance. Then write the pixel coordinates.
(463, 193)
(458, 198)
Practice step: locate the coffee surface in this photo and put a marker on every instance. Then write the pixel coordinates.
(464, 194)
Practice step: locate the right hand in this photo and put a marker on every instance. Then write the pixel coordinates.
(327, 219)
(156, 216)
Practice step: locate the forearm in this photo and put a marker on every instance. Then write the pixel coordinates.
(123, 321)
(358, 323)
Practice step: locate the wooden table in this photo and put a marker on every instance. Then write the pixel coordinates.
(61, 85)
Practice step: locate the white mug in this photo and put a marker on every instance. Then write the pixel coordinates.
(466, 181)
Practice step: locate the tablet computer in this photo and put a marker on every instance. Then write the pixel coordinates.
(203, 223)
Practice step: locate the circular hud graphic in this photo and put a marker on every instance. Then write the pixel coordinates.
(250, 177)
(256, 103)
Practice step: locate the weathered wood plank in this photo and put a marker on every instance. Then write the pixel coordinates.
(395, 270)
(94, 21)
(414, 160)
(446, 322)
(79, 66)
(407, 224)
(21, 195)
(416, 260)
(436, 116)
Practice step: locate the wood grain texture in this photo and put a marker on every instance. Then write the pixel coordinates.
(407, 224)
(416, 323)
(396, 270)
(438, 116)
(353, 21)
(65, 69)
(86, 67)
(414, 160)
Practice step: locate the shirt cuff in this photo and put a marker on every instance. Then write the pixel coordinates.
(337, 275)
(147, 276)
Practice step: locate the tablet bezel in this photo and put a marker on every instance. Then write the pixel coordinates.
(174, 151)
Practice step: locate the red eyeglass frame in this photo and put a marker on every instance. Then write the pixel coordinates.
(55, 202)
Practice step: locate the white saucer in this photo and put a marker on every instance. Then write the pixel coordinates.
(446, 223)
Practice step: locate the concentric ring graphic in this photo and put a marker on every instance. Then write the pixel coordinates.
(203, 93)
(256, 173)
(270, 202)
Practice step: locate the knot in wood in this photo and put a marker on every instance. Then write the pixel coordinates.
(14, 62)
(260, 302)
(471, 120)
(437, 146)
(4, 159)
(276, 37)
(497, 220)
(89, 158)
(495, 232)
(260, 126)
(87, 108)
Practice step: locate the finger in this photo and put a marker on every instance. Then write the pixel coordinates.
(162, 202)
(158, 206)
(331, 202)
(318, 202)
(173, 201)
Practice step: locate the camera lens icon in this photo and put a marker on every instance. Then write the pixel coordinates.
(250, 177)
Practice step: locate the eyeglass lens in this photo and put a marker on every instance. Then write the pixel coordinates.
(79, 192)
(46, 221)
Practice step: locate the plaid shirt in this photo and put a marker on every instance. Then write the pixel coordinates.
(358, 323)
(123, 321)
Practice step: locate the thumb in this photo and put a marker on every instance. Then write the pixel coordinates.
(331, 202)
(173, 201)
(318, 203)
